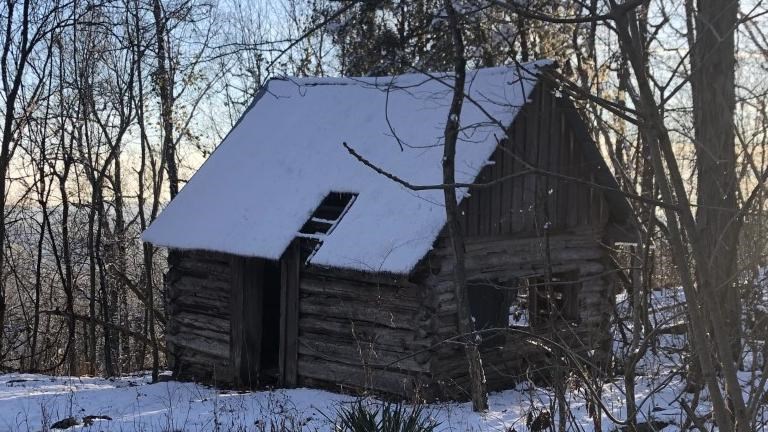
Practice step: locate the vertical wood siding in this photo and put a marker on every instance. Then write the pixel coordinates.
(541, 137)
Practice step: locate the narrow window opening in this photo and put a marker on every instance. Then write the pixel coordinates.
(322, 222)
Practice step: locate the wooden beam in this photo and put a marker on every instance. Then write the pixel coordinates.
(236, 319)
(252, 320)
(289, 315)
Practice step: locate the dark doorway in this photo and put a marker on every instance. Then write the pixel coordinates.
(270, 324)
(264, 320)
(256, 321)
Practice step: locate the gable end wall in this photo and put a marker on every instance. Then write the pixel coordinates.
(504, 230)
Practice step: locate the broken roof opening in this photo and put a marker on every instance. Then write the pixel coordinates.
(323, 221)
(389, 228)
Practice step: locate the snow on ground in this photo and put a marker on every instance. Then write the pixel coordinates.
(31, 402)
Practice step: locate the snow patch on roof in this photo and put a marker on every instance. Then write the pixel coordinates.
(254, 193)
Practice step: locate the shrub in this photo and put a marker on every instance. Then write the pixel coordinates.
(383, 417)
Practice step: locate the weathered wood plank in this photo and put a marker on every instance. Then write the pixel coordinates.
(252, 319)
(512, 243)
(385, 381)
(289, 315)
(486, 195)
(491, 260)
(542, 159)
(563, 197)
(211, 347)
(198, 305)
(585, 201)
(573, 188)
(529, 204)
(353, 331)
(553, 184)
(506, 168)
(204, 269)
(355, 290)
(495, 194)
(473, 212)
(362, 354)
(198, 333)
(193, 320)
(188, 284)
(518, 185)
(357, 311)
(359, 277)
(236, 317)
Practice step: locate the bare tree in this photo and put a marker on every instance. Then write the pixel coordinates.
(451, 134)
(26, 25)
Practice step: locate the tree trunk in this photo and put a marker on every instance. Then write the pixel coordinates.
(92, 281)
(680, 223)
(714, 102)
(11, 95)
(147, 249)
(165, 88)
(465, 325)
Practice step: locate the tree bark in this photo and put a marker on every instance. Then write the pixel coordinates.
(465, 325)
(713, 74)
(11, 90)
(148, 251)
(164, 83)
(681, 224)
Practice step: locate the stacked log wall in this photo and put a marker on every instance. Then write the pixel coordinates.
(198, 301)
(510, 356)
(364, 333)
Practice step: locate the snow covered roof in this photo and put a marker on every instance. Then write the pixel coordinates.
(264, 181)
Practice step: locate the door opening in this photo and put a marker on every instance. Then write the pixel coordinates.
(264, 321)
(270, 324)
(256, 321)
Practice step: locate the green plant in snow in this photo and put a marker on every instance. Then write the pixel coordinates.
(383, 417)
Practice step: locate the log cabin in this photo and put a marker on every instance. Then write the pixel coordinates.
(310, 249)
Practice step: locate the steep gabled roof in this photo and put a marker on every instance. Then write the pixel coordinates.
(266, 179)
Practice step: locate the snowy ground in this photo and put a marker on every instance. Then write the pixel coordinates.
(34, 402)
